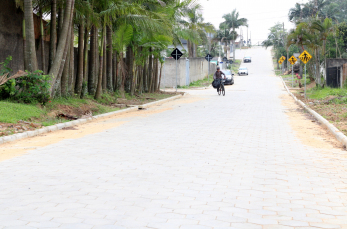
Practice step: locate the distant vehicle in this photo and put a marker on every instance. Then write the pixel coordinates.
(247, 59)
(243, 71)
(229, 77)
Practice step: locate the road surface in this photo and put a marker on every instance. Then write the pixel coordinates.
(251, 159)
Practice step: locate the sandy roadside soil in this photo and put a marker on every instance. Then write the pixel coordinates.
(307, 129)
(20, 147)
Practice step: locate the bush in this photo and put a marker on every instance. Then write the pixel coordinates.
(32, 88)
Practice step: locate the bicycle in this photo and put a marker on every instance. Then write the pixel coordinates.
(221, 89)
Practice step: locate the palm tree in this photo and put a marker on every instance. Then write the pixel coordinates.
(30, 52)
(62, 45)
(195, 23)
(233, 22)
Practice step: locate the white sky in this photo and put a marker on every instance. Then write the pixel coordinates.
(261, 14)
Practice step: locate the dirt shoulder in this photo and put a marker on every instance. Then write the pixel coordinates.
(23, 146)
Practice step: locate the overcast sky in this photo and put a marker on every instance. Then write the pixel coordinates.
(261, 14)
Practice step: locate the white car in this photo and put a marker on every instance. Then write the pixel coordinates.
(243, 71)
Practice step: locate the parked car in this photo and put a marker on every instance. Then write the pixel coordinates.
(243, 71)
(229, 77)
(247, 59)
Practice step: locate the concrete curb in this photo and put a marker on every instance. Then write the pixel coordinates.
(160, 101)
(60, 126)
(336, 132)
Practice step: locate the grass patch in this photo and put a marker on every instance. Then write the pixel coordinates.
(13, 112)
(17, 118)
(323, 93)
(199, 83)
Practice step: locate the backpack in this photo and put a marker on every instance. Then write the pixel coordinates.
(216, 83)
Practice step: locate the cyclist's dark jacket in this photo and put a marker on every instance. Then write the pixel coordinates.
(218, 75)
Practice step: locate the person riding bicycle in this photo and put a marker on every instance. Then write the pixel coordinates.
(218, 76)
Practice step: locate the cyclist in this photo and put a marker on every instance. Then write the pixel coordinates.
(218, 76)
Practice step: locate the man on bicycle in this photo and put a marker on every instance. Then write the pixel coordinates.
(218, 76)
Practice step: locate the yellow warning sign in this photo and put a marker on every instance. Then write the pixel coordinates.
(292, 60)
(283, 58)
(280, 61)
(305, 57)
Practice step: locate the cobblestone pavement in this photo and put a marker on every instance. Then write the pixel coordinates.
(205, 161)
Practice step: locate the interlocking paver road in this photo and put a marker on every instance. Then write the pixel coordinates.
(202, 162)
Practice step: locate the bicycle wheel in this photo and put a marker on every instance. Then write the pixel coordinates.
(223, 89)
(220, 90)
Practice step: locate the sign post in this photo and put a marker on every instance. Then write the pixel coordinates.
(281, 60)
(208, 57)
(292, 61)
(176, 54)
(305, 57)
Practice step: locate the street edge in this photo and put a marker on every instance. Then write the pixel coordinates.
(336, 132)
(60, 126)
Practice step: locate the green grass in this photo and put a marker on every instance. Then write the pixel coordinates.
(199, 83)
(14, 112)
(322, 93)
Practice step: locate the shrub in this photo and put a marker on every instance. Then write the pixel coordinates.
(32, 88)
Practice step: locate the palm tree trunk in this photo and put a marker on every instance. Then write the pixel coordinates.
(91, 73)
(109, 66)
(155, 81)
(65, 75)
(121, 73)
(72, 79)
(161, 68)
(104, 78)
(129, 63)
(31, 60)
(233, 44)
(85, 63)
(60, 19)
(43, 59)
(144, 78)
(24, 44)
(52, 45)
(58, 60)
(101, 59)
(79, 80)
(150, 70)
(115, 71)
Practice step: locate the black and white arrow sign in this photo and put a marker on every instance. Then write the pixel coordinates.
(176, 54)
(208, 57)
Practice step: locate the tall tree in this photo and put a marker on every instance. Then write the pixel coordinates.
(30, 52)
(233, 22)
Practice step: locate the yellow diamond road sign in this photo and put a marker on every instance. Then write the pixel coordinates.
(292, 60)
(281, 60)
(305, 57)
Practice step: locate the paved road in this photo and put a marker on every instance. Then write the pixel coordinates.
(202, 162)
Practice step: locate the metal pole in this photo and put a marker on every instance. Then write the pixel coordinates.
(208, 73)
(292, 76)
(176, 74)
(305, 81)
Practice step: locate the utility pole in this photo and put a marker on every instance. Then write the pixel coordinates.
(247, 37)
(250, 37)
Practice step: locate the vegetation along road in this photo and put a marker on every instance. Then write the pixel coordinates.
(250, 159)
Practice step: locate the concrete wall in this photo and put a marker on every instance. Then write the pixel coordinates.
(198, 68)
(11, 36)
